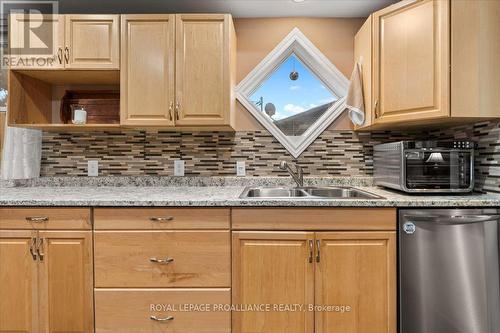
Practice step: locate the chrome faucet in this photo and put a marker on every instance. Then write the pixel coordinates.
(297, 175)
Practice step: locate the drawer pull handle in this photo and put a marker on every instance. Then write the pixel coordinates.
(155, 318)
(37, 219)
(165, 261)
(162, 219)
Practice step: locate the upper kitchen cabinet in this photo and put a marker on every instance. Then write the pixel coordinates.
(67, 54)
(363, 56)
(411, 61)
(193, 81)
(433, 62)
(92, 41)
(84, 42)
(147, 70)
(45, 50)
(203, 69)
(475, 69)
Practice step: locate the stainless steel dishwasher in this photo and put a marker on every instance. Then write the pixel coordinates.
(449, 270)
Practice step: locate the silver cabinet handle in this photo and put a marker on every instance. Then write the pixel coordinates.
(318, 245)
(311, 251)
(170, 108)
(165, 261)
(177, 108)
(32, 247)
(60, 55)
(39, 249)
(161, 219)
(66, 54)
(155, 318)
(37, 219)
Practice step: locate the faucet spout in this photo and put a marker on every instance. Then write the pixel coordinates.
(297, 174)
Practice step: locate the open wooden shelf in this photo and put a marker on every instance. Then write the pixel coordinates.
(63, 77)
(35, 97)
(70, 127)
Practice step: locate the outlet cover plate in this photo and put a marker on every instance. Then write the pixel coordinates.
(179, 168)
(240, 169)
(93, 168)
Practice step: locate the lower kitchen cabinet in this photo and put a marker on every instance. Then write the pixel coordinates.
(356, 270)
(18, 282)
(162, 310)
(345, 280)
(66, 282)
(174, 271)
(273, 268)
(162, 270)
(47, 278)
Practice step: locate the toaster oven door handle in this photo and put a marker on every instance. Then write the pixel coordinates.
(456, 219)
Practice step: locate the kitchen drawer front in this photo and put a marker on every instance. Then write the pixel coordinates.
(314, 219)
(194, 259)
(130, 310)
(161, 218)
(45, 218)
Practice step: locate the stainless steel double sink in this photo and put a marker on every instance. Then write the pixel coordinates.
(336, 192)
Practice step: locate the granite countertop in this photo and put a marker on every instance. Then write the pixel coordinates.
(216, 193)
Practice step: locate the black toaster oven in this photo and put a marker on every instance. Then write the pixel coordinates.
(425, 166)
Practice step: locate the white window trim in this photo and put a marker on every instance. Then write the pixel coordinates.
(295, 42)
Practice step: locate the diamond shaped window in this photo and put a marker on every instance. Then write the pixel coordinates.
(293, 98)
(295, 92)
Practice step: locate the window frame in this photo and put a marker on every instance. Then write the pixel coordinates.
(295, 43)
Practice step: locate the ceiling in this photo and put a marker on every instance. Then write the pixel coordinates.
(239, 8)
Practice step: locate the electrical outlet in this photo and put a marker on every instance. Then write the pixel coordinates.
(179, 168)
(240, 169)
(93, 168)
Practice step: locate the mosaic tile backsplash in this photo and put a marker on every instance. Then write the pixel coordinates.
(334, 153)
(487, 157)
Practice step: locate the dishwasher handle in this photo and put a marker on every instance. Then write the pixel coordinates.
(454, 219)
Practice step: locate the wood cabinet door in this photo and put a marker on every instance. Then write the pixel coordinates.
(18, 282)
(363, 56)
(411, 61)
(147, 70)
(202, 69)
(273, 268)
(36, 41)
(92, 41)
(66, 287)
(356, 270)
